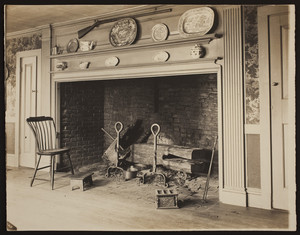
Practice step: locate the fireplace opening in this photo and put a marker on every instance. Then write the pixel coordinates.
(185, 107)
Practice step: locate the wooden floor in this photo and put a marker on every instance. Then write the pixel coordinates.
(125, 206)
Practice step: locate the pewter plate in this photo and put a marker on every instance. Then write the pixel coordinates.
(123, 32)
(196, 22)
(160, 32)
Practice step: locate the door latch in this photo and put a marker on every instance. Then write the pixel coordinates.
(275, 83)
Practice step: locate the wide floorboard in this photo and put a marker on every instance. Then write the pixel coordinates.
(122, 206)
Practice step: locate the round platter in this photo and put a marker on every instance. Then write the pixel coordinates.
(73, 45)
(123, 32)
(160, 32)
(196, 22)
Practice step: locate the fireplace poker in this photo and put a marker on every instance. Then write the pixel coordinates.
(209, 170)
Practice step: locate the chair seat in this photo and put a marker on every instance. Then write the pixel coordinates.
(53, 151)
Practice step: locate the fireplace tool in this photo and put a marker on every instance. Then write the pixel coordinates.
(209, 171)
(154, 172)
(115, 169)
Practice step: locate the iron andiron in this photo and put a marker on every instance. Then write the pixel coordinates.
(154, 172)
(115, 169)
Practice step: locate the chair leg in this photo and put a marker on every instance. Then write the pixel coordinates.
(71, 165)
(35, 170)
(52, 170)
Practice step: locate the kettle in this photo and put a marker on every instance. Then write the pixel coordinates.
(130, 173)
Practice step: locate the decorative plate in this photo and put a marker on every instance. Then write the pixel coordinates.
(112, 61)
(73, 45)
(196, 22)
(123, 32)
(160, 32)
(162, 56)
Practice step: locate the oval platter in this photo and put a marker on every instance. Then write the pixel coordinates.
(73, 45)
(160, 32)
(196, 22)
(123, 32)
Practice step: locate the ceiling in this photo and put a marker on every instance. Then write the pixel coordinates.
(22, 17)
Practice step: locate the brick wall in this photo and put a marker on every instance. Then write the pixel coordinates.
(81, 121)
(185, 107)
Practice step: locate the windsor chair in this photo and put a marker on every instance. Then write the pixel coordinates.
(45, 135)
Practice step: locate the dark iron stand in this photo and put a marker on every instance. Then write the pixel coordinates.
(115, 169)
(153, 172)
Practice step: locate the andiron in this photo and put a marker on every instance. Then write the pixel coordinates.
(154, 172)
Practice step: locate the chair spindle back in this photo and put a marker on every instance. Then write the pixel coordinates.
(44, 131)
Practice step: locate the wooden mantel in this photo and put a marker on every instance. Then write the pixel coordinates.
(139, 54)
(130, 57)
(203, 40)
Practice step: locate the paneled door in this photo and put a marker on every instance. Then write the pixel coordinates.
(279, 31)
(28, 108)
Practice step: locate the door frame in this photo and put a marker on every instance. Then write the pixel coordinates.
(19, 56)
(265, 108)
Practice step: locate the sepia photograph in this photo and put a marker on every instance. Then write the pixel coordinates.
(150, 117)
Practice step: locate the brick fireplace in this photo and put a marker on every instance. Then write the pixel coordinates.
(185, 106)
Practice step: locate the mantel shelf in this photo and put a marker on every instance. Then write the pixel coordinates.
(200, 60)
(204, 40)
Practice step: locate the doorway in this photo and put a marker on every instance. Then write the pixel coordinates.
(279, 32)
(275, 62)
(28, 87)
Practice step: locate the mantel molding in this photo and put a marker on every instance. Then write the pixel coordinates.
(140, 71)
(26, 32)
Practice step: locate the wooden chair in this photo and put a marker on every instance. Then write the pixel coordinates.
(45, 134)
